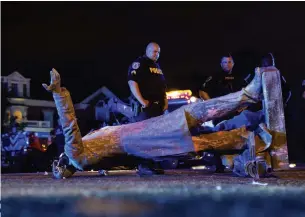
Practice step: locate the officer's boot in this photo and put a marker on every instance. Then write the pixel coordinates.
(149, 168)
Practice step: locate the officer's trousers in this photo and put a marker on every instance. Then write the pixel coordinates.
(153, 110)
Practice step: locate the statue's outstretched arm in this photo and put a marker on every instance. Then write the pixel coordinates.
(73, 139)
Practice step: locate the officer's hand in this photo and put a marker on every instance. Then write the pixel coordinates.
(242, 109)
(145, 103)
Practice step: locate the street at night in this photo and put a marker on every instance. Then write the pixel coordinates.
(177, 193)
(152, 109)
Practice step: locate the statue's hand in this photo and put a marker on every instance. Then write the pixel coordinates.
(54, 83)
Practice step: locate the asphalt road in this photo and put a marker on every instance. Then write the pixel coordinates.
(177, 193)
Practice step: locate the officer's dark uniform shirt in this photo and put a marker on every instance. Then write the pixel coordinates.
(221, 84)
(149, 77)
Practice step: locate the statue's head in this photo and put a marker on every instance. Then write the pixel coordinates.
(267, 60)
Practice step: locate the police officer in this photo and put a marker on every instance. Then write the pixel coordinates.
(147, 83)
(223, 82)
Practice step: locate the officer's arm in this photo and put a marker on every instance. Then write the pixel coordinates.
(248, 79)
(133, 81)
(134, 87)
(204, 95)
(203, 91)
(165, 103)
(165, 107)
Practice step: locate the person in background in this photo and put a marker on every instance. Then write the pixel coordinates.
(36, 153)
(52, 150)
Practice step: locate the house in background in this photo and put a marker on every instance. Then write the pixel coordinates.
(38, 115)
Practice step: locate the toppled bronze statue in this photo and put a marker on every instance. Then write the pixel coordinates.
(169, 135)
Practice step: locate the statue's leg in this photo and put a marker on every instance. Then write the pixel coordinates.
(240, 142)
(221, 106)
(274, 140)
(245, 163)
(275, 119)
(249, 119)
(224, 105)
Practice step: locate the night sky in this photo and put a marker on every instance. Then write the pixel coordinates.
(92, 44)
